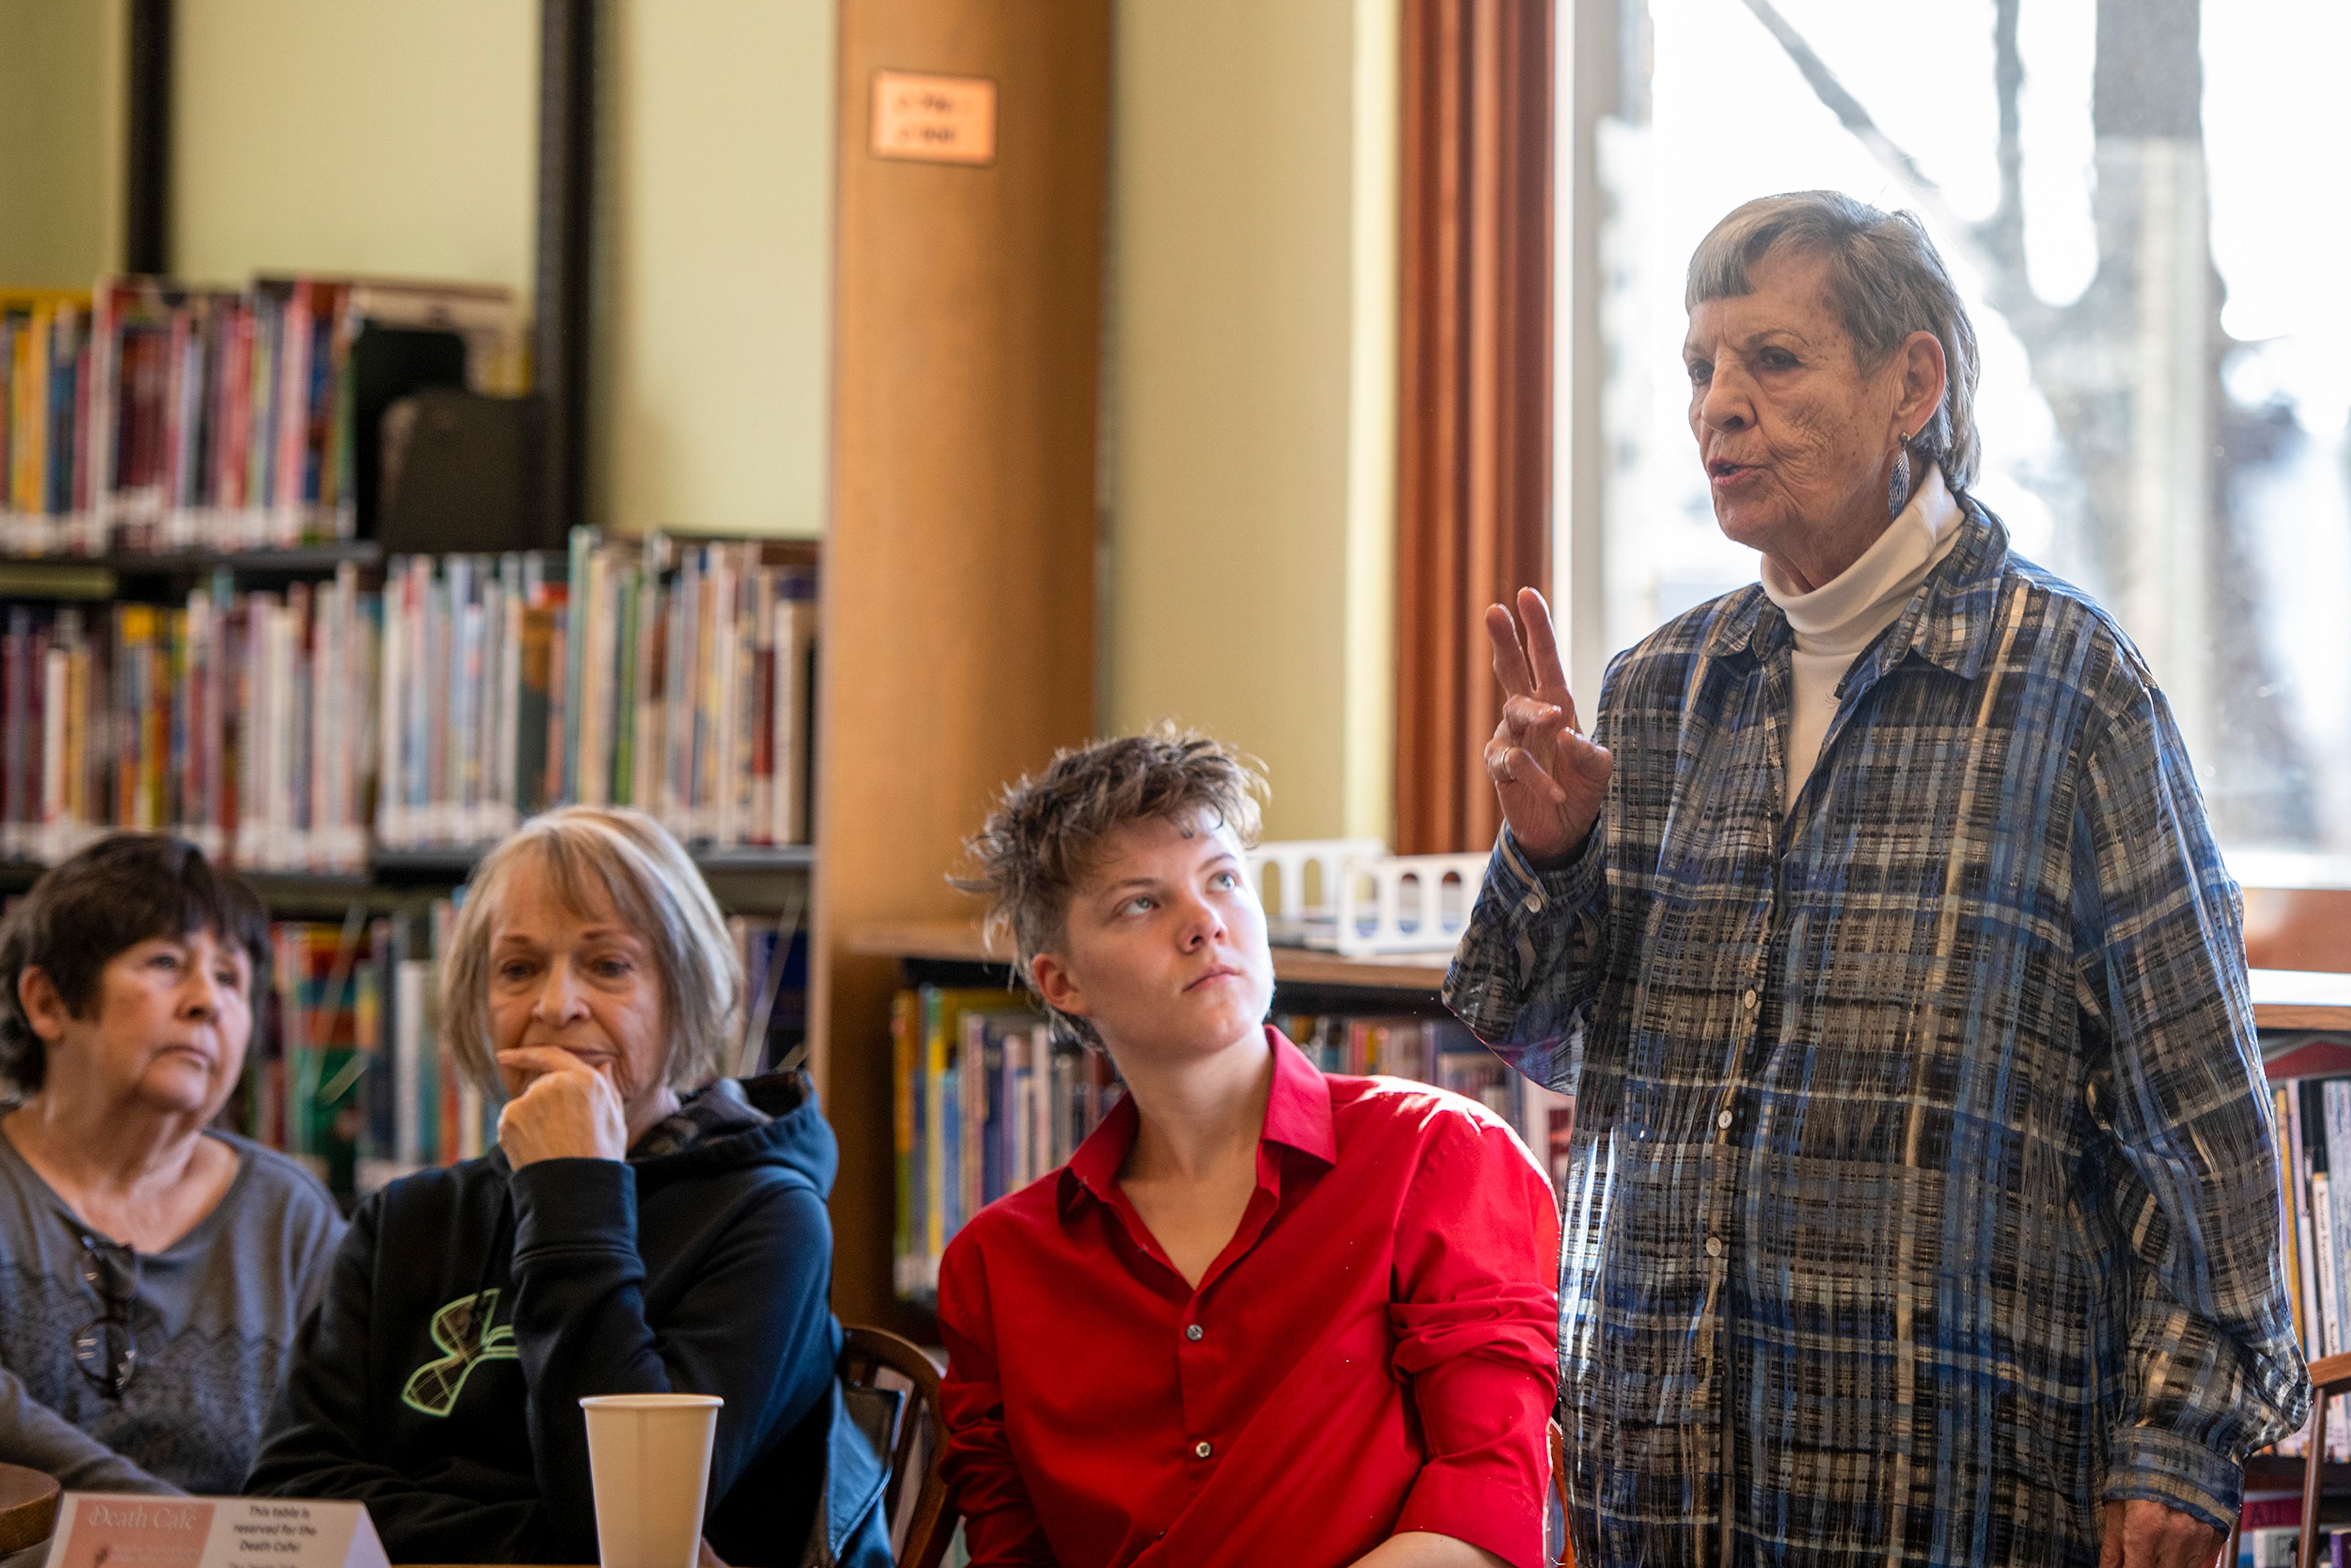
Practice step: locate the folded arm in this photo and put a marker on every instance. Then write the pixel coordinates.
(742, 1331)
(34, 1436)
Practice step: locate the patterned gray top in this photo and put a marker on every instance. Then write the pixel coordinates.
(1919, 1134)
(215, 1316)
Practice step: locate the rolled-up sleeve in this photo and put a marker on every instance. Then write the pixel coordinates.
(1476, 1319)
(2214, 1370)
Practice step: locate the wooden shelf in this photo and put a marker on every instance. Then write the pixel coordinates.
(2283, 999)
(2277, 1472)
(952, 941)
(273, 885)
(2301, 1000)
(397, 875)
(455, 864)
(175, 563)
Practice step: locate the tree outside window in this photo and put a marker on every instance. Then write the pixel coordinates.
(2135, 197)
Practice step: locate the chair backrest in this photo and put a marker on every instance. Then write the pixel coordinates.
(2330, 1375)
(921, 1524)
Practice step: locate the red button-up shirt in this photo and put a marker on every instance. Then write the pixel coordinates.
(1373, 1351)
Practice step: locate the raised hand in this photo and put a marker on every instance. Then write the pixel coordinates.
(1550, 779)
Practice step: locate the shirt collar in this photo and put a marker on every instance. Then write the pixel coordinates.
(1846, 614)
(1297, 1116)
(1948, 623)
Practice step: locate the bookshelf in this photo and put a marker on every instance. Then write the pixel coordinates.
(2285, 1000)
(2301, 1000)
(954, 942)
(311, 559)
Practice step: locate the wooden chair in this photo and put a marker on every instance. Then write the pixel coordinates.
(921, 1523)
(1562, 1551)
(2329, 1376)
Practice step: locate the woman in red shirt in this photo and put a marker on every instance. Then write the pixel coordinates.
(1263, 1315)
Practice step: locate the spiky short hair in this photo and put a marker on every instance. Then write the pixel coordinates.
(1046, 833)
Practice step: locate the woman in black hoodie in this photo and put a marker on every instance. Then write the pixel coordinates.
(644, 1226)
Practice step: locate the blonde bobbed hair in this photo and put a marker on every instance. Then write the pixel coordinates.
(598, 858)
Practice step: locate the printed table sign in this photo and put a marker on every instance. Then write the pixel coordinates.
(109, 1530)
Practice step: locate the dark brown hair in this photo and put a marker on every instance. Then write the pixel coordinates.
(119, 892)
(1047, 832)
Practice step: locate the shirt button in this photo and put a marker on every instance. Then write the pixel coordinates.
(1723, 1121)
(1193, 1331)
(1201, 1451)
(1750, 999)
(1713, 1250)
(1531, 903)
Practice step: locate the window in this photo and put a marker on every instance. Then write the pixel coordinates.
(2139, 218)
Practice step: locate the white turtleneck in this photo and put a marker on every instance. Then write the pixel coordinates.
(1836, 620)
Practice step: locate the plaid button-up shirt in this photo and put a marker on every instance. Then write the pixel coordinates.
(1918, 1135)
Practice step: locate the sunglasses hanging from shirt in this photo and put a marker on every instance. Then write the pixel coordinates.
(106, 1348)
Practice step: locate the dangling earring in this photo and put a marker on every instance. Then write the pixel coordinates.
(1897, 493)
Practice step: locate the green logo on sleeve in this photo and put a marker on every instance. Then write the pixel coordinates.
(464, 1329)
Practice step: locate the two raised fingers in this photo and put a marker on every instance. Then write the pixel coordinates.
(1526, 648)
(1510, 666)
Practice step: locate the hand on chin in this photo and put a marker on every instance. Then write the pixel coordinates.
(563, 1107)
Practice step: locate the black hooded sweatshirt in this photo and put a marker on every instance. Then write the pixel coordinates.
(470, 1307)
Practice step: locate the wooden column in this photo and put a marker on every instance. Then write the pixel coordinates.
(958, 576)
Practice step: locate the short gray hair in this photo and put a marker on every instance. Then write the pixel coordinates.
(596, 854)
(1887, 281)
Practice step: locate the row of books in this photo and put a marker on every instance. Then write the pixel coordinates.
(344, 1071)
(2272, 1534)
(988, 1097)
(235, 720)
(44, 355)
(348, 1071)
(676, 678)
(274, 729)
(2313, 1118)
(150, 414)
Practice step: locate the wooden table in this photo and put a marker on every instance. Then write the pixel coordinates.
(29, 1507)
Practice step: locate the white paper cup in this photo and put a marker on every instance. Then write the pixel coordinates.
(648, 1461)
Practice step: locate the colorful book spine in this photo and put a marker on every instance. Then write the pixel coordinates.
(617, 679)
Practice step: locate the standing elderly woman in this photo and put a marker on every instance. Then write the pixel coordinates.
(1923, 1205)
(155, 1268)
(644, 1226)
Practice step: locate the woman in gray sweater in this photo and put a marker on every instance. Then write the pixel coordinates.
(153, 1271)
